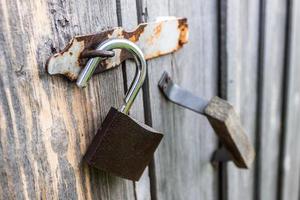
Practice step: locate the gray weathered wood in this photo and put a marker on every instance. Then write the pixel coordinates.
(291, 160)
(129, 20)
(239, 60)
(47, 122)
(183, 168)
(272, 85)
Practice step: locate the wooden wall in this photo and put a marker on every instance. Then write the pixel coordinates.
(244, 51)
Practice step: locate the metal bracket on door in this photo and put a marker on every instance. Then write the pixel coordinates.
(164, 36)
(221, 116)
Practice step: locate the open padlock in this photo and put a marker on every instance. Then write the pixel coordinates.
(222, 118)
(122, 146)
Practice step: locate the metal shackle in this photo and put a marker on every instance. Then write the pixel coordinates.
(140, 74)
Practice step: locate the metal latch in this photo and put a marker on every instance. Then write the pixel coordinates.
(222, 118)
(164, 36)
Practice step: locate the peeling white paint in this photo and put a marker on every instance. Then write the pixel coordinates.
(157, 38)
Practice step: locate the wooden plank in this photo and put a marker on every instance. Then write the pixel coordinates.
(47, 122)
(183, 168)
(290, 174)
(129, 20)
(272, 68)
(239, 62)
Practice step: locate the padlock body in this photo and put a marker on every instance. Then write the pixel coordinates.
(122, 146)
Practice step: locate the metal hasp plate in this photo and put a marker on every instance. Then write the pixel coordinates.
(155, 39)
(222, 118)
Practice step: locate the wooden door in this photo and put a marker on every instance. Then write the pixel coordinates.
(244, 51)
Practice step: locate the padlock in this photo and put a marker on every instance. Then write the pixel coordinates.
(122, 146)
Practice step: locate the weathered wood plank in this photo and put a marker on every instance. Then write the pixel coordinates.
(129, 20)
(272, 69)
(239, 60)
(290, 174)
(47, 122)
(183, 168)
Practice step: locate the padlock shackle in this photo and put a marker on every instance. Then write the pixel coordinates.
(140, 74)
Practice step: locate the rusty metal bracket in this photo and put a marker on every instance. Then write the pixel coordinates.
(164, 36)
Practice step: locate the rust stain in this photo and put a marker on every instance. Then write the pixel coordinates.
(70, 75)
(156, 34)
(154, 55)
(47, 62)
(157, 29)
(66, 49)
(92, 41)
(82, 62)
(184, 32)
(134, 36)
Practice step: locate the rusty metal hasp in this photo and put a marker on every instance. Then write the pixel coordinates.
(164, 36)
(222, 118)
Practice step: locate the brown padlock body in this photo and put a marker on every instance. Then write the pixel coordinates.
(122, 146)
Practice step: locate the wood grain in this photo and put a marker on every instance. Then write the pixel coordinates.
(47, 122)
(129, 20)
(239, 63)
(228, 127)
(290, 166)
(183, 168)
(272, 67)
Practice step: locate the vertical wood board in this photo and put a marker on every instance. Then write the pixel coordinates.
(271, 100)
(183, 168)
(291, 139)
(47, 122)
(130, 21)
(239, 60)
